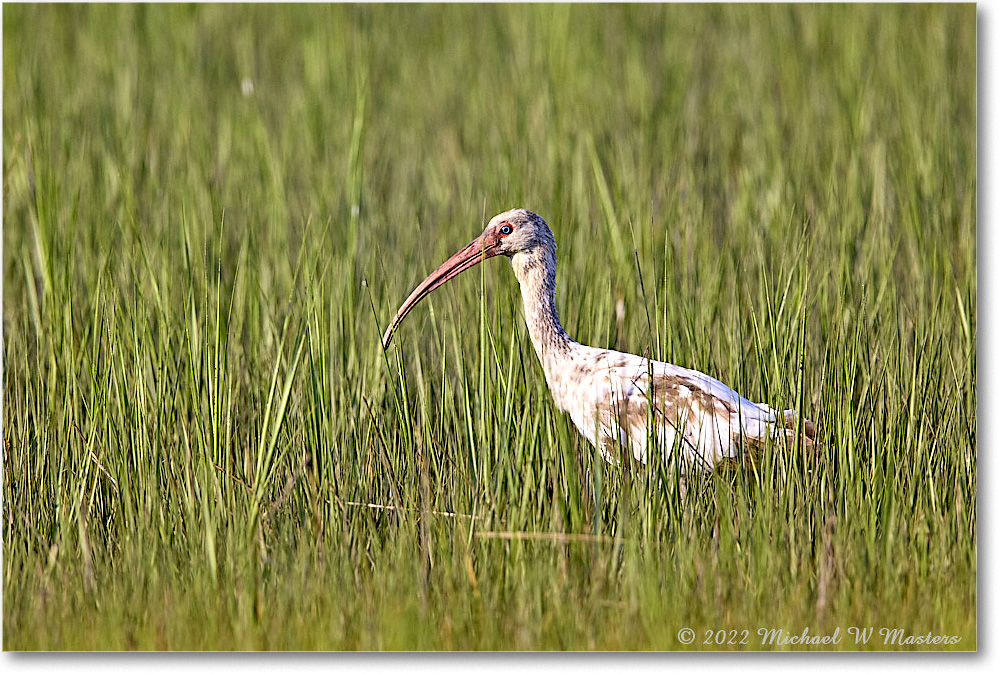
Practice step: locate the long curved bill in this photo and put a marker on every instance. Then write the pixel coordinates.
(482, 247)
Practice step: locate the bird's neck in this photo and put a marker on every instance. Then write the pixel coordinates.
(536, 272)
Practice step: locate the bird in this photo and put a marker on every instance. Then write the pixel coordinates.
(626, 405)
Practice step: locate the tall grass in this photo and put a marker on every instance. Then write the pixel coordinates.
(211, 211)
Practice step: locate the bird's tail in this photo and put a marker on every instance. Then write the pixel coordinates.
(802, 433)
(789, 425)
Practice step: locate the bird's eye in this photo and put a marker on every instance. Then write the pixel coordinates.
(505, 229)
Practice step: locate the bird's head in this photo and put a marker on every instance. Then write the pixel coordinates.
(517, 234)
(519, 231)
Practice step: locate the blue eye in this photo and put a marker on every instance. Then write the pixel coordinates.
(505, 229)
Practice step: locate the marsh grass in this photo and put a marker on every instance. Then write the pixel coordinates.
(210, 213)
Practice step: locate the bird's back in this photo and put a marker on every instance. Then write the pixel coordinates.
(620, 401)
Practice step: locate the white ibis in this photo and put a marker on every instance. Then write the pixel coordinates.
(615, 399)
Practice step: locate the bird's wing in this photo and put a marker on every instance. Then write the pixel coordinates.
(683, 409)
